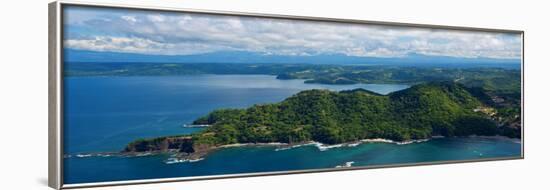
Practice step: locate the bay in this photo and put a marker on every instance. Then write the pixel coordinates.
(103, 114)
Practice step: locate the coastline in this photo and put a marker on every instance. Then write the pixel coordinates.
(321, 146)
(197, 156)
(178, 157)
(280, 146)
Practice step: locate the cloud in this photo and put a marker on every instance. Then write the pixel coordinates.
(130, 19)
(119, 44)
(156, 18)
(138, 45)
(149, 32)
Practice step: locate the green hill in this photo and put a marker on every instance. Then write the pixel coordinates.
(420, 112)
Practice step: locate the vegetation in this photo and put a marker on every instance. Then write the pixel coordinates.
(495, 79)
(422, 111)
(498, 88)
(444, 100)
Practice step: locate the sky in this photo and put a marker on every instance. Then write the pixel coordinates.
(170, 33)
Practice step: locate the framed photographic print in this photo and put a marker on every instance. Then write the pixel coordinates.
(147, 94)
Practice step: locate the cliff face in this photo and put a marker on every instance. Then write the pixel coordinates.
(419, 112)
(182, 144)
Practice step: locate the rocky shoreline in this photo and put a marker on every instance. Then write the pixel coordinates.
(199, 152)
(177, 156)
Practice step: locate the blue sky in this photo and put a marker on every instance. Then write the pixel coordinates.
(167, 33)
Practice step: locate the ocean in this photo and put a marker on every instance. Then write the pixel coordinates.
(103, 114)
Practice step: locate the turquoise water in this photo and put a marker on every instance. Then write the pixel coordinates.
(263, 159)
(103, 114)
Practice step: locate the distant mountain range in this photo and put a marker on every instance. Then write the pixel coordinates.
(72, 55)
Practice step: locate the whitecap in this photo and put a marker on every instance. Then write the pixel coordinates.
(353, 144)
(379, 140)
(323, 147)
(144, 154)
(295, 146)
(346, 165)
(177, 160)
(83, 155)
(196, 160)
(411, 141)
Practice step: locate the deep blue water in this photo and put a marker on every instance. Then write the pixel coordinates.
(103, 114)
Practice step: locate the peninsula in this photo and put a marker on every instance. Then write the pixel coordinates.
(419, 112)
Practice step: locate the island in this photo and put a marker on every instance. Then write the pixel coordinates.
(508, 79)
(424, 110)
